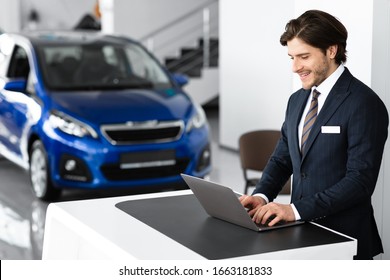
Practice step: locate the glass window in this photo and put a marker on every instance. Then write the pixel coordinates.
(19, 66)
(145, 67)
(100, 66)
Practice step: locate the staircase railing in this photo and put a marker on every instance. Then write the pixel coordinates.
(185, 31)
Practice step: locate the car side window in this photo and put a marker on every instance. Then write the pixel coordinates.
(19, 66)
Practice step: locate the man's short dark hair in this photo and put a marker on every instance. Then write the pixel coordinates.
(320, 30)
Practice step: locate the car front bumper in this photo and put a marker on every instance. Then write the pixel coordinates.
(95, 163)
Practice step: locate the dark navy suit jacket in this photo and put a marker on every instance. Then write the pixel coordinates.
(335, 177)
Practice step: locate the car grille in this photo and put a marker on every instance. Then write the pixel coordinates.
(114, 172)
(143, 132)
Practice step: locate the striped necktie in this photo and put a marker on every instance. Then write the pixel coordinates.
(310, 119)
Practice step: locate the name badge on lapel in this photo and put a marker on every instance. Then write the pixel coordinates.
(330, 129)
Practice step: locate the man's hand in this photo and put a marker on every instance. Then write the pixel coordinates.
(261, 212)
(253, 203)
(276, 212)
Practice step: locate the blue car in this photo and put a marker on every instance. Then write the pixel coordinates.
(88, 110)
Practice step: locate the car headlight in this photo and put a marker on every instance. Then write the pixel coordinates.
(70, 125)
(198, 119)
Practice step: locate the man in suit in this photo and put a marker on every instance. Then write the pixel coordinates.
(332, 139)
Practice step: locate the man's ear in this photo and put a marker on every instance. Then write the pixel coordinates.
(332, 51)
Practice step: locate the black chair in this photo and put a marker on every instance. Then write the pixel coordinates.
(256, 148)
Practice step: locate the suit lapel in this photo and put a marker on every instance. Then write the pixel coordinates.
(335, 98)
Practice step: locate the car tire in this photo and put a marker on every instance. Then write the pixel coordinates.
(40, 173)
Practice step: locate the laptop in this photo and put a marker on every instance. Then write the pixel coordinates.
(221, 202)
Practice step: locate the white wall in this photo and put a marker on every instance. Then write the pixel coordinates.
(9, 15)
(55, 14)
(256, 79)
(138, 18)
(357, 18)
(255, 75)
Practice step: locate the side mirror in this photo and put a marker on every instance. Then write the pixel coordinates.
(180, 79)
(16, 85)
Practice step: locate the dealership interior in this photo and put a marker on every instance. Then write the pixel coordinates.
(237, 72)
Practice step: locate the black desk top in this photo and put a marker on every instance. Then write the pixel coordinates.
(183, 219)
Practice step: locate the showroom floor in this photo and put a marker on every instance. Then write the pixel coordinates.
(22, 216)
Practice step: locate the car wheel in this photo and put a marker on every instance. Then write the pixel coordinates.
(40, 173)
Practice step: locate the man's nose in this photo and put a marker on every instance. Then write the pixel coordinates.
(295, 65)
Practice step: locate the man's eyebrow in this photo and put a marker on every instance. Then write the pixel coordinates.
(300, 54)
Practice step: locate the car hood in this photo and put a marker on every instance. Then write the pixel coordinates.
(108, 107)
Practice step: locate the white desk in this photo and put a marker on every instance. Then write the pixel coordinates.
(96, 229)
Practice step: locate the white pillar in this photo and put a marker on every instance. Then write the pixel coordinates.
(10, 15)
(255, 71)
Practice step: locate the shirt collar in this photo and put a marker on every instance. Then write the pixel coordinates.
(326, 86)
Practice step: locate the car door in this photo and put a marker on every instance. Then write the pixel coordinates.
(14, 109)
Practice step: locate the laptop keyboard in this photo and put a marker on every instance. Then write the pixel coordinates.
(268, 221)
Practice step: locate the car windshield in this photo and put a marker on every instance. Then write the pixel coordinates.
(100, 66)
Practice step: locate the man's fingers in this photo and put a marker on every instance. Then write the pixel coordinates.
(259, 216)
(274, 221)
(252, 212)
(268, 214)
